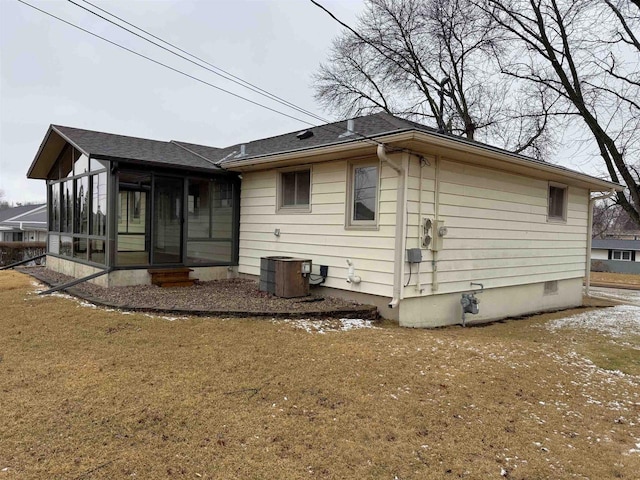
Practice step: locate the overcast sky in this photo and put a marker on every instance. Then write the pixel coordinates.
(53, 73)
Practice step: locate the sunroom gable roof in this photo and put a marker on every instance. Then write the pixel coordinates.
(108, 146)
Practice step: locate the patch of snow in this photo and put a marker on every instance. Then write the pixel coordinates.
(615, 322)
(628, 296)
(325, 326)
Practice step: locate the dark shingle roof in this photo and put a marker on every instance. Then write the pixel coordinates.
(323, 135)
(184, 154)
(200, 157)
(615, 244)
(110, 146)
(29, 216)
(8, 213)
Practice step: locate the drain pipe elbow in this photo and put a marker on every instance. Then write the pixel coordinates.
(351, 273)
(382, 155)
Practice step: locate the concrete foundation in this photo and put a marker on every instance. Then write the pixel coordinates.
(495, 303)
(124, 278)
(444, 309)
(417, 312)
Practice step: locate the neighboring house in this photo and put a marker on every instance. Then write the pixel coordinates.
(362, 197)
(623, 235)
(615, 255)
(26, 223)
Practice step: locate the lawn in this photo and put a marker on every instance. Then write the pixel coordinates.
(90, 393)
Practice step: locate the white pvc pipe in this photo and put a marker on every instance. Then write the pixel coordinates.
(418, 279)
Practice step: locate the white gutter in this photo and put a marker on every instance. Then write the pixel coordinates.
(400, 225)
(587, 267)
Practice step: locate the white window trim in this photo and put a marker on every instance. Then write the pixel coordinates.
(350, 223)
(621, 252)
(279, 195)
(565, 202)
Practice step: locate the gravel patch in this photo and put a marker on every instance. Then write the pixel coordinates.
(237, 296)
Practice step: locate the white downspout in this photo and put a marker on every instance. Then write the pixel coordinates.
(587, 267)
(400, 225)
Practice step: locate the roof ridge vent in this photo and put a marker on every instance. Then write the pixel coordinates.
(350, 129)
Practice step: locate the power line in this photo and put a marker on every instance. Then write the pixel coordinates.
(204, 82)
(250, 86)
(165, 65)
(213, 68)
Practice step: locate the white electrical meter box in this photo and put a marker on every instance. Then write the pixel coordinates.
(306, 268)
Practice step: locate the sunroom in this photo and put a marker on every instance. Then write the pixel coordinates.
(125, 206)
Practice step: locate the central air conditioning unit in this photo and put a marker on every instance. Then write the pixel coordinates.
(285, 277)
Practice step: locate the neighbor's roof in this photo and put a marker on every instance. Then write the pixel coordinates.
(615, 244)
(29, 217)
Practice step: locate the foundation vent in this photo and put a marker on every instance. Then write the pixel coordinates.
(551, 288)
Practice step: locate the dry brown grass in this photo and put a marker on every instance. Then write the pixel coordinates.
(615, 278)
(88, 393)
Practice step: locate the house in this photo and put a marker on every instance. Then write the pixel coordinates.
(26, 223)
(400, 215)
(615, 255)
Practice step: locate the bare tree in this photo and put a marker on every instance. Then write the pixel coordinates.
(433, 61)
(588, 53)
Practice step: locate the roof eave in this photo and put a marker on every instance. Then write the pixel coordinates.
(515, 159)
(432, 139)
(36, 173)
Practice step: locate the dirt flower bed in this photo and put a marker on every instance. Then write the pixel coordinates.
(238, 296)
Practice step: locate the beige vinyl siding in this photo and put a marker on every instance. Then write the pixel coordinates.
(498, 233)
(321, 234)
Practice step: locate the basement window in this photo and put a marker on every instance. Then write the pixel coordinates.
(294, 190)
(557, 203)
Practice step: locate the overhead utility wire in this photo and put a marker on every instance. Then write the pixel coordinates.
(214, 69)
(250, 86)
(325, 127)
(166, 66)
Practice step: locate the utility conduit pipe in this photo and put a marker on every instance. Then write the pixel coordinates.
(587, 267)
(436, 213)
(400, 224)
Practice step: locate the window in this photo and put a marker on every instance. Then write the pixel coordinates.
(210, 226)
(626, 255)
(99, 204)
(295, 189)
(363, 195)
(557, 202)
